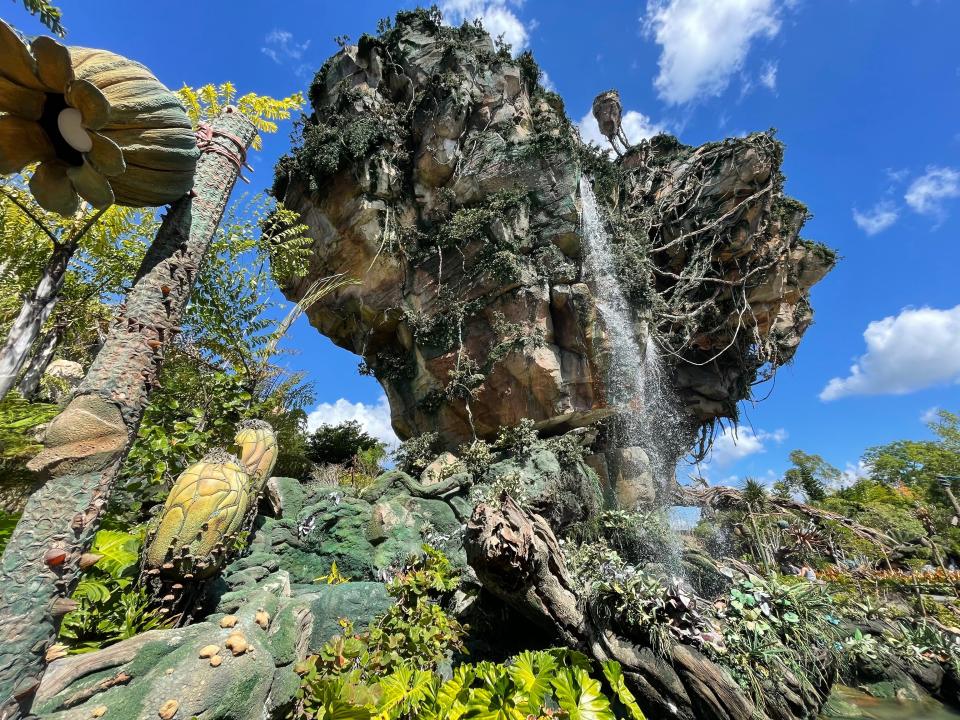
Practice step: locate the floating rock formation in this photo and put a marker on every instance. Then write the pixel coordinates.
(438, 171)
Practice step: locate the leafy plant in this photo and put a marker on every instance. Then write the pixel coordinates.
(773, 629)
(19, 420)
(8, 521)
(208, 101)
(533, 685)
(519, 439)
(112, 606)
(50, 15)
(334, 577)
(413, 455)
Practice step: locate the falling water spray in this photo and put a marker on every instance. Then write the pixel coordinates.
(637, 381)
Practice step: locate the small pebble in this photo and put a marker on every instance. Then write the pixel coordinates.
(228, 621)
(262, 618)
(215, 661)
(99, 711)
(168, 709)
(208, 651)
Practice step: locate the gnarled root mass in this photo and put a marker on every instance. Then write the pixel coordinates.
(517, 558)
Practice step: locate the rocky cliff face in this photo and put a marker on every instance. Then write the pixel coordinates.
(437, 171)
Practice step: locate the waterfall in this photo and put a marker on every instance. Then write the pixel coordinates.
(637, 382)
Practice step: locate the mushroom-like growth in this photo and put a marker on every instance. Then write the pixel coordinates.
(202, 515)
(258, 451)
(101, 127)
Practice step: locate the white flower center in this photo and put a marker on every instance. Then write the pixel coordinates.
(70, 124)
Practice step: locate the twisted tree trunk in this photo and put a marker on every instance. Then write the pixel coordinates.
(88, 441)
(517, 558)
(33, 314)
(39, 362)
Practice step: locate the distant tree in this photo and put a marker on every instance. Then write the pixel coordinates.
(339, 444)
(810, 475)
(916, 463)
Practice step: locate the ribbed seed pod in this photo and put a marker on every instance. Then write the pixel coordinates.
(258, 451)
(201, 516)
(100, 126)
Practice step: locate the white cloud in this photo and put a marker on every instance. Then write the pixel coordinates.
(876, 219)
(496, 15)
(280, 46)
(636, 125)
(545, 82)
(733, 445)
(851, 475)
(930, 415)
(373, 418)
(916, 349)
(768, 78)
(927, 193)
(705, 42)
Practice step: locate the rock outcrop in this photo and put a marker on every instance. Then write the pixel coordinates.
(437, 171)
(285, 572)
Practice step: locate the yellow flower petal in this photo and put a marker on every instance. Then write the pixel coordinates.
(22, 142)
(85, 97)
(92, 186)
(18, 100)
(106, 156)
(16, 62)
(52, 188)
(53, 63)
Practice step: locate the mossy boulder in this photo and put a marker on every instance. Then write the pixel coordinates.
(141, 674)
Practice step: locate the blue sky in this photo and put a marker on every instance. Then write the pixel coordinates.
(863, 92)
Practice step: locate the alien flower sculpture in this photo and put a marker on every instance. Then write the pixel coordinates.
(101, 127)
(200, 520)
(258, 451)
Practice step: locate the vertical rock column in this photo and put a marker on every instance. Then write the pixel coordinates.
(86, 444)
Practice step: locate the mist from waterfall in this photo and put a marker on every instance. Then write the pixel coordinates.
(637, 381)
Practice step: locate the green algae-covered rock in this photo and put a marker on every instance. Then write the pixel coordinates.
(359, 602)
(165, 665)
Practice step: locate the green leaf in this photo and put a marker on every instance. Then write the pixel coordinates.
(614, 675)
(453, 695)
(91, 589)
(579, 695)
(532, 673)
(120, 551)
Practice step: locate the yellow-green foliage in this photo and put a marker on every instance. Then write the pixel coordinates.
(391, 670)
(531, 686)
(263, 111)
(112, 605)
(19, 420)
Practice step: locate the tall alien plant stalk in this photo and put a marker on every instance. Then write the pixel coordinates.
(86, 444)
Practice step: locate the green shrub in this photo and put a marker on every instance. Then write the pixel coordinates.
(415, 454)
(340, 444)
(112, 606)
(8, 521)
(519, 439)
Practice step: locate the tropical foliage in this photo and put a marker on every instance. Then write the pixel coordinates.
(208, 101)
(393, 670)
(112, 606)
